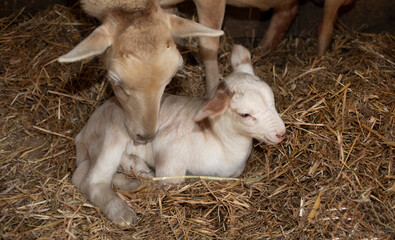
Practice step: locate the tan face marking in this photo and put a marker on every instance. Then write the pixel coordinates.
(141, 62)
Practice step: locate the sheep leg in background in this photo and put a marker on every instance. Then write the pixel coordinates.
(279, 24)
(211, 14)
(325, 29)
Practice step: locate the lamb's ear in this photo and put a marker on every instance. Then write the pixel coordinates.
(241, 59)
(216, 105)
(181, 27)
(96, 43)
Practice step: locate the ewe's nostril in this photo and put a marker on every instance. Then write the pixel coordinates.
(141, 138)
(144, 138)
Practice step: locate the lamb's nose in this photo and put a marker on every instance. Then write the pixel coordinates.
(280, 136)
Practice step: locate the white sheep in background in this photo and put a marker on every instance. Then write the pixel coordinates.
(196, 136)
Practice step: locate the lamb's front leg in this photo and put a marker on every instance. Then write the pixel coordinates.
(137, 157)
(97, 188)
(134, 160)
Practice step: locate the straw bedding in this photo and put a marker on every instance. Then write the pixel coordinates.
(332, 178)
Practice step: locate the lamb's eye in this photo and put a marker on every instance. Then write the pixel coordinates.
(244, 115)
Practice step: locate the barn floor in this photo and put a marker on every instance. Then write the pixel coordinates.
(332, 178)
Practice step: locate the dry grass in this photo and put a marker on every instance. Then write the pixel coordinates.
(333, 177)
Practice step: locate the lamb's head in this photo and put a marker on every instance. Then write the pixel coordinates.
(247, 101)
(253, 102)
(253, 109)
(141, 57)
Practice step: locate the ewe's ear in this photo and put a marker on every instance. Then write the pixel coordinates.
(181, 27)
(241, 59)
(96, 43)
(216, 105)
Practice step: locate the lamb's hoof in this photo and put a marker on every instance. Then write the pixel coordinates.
(121, 214)
(128, 219)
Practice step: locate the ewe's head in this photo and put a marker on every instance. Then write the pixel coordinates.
(248, 101)
(141, 58)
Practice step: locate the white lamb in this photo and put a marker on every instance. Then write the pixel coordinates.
(196, 136)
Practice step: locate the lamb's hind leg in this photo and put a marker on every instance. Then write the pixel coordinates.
(82, 162)
(96, 186)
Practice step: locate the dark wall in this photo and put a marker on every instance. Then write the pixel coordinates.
(371, 16)
(7, 7)
(366, 15)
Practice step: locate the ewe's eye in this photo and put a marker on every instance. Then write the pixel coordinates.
(114, 78)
